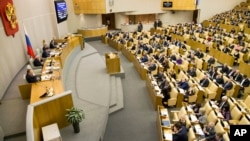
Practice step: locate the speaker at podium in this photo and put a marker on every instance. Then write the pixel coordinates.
(112, 62)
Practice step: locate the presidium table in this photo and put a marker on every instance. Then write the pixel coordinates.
(48, 99)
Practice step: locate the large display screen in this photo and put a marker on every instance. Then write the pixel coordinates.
(167, 4)
(61, 11)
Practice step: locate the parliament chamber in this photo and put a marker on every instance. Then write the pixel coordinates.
(182, 66)
(178, 49)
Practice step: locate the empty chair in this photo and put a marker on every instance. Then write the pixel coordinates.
(235, 114)
(212, 117)
(245, 103)
(211, 90)
(219, 128)
(191, 135)
(177, 114)
(173, 96)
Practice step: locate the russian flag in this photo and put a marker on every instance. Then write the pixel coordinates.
(29, 47)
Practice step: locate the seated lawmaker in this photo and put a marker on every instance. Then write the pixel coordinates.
(183, 84)
(189, 92)
(204, 82)
(179, 60)
(46, 53)
(209, 131)
(219, 79)
(53, 43)
(192, 71)
(212, 72)
(228, 85)
(151, 65)
(166, 97)
(38, 61)
(179, 132)
(237, 76)
(31, 77)
(224, 69)
(144, 58)
(245, 82)
(211, 61)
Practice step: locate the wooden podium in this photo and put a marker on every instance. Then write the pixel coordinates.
(112, 62)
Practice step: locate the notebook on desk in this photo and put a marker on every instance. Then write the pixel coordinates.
(165, 123)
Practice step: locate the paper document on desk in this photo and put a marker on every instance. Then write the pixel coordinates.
(46, 77)
(164, 112)
(154, 83)
(189, 109)
(52, 67)
(168, 136)
(193, 118)
(198, 130)
(157, 89)
(182, 91)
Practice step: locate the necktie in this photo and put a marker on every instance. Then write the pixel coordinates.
(242, 82)
(221, 105)
(236, 77)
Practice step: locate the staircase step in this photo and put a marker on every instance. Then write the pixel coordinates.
(119, 94)
(113, 95)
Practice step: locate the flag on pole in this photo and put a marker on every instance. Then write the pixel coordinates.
(29, 47)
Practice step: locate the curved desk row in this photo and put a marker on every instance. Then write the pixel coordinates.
(93, 32)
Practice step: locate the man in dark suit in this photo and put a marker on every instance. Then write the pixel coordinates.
(144, 58)
(38, 61)
(198, 53)
(204, 82)
(52, 43)
(228, 85)
(166, 94)
(45, 53)
(166, 88)
(231, 72)
(245, 81)
(31, 77)
(211, 61)
(224, 69)
(219, 79)
(179, 132)
(183, 84)
(192, 71)
(237, 76)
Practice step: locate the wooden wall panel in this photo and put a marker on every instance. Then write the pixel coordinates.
(89, 6)
(51, 112)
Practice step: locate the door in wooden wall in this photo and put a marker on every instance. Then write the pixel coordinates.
(109, 20)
